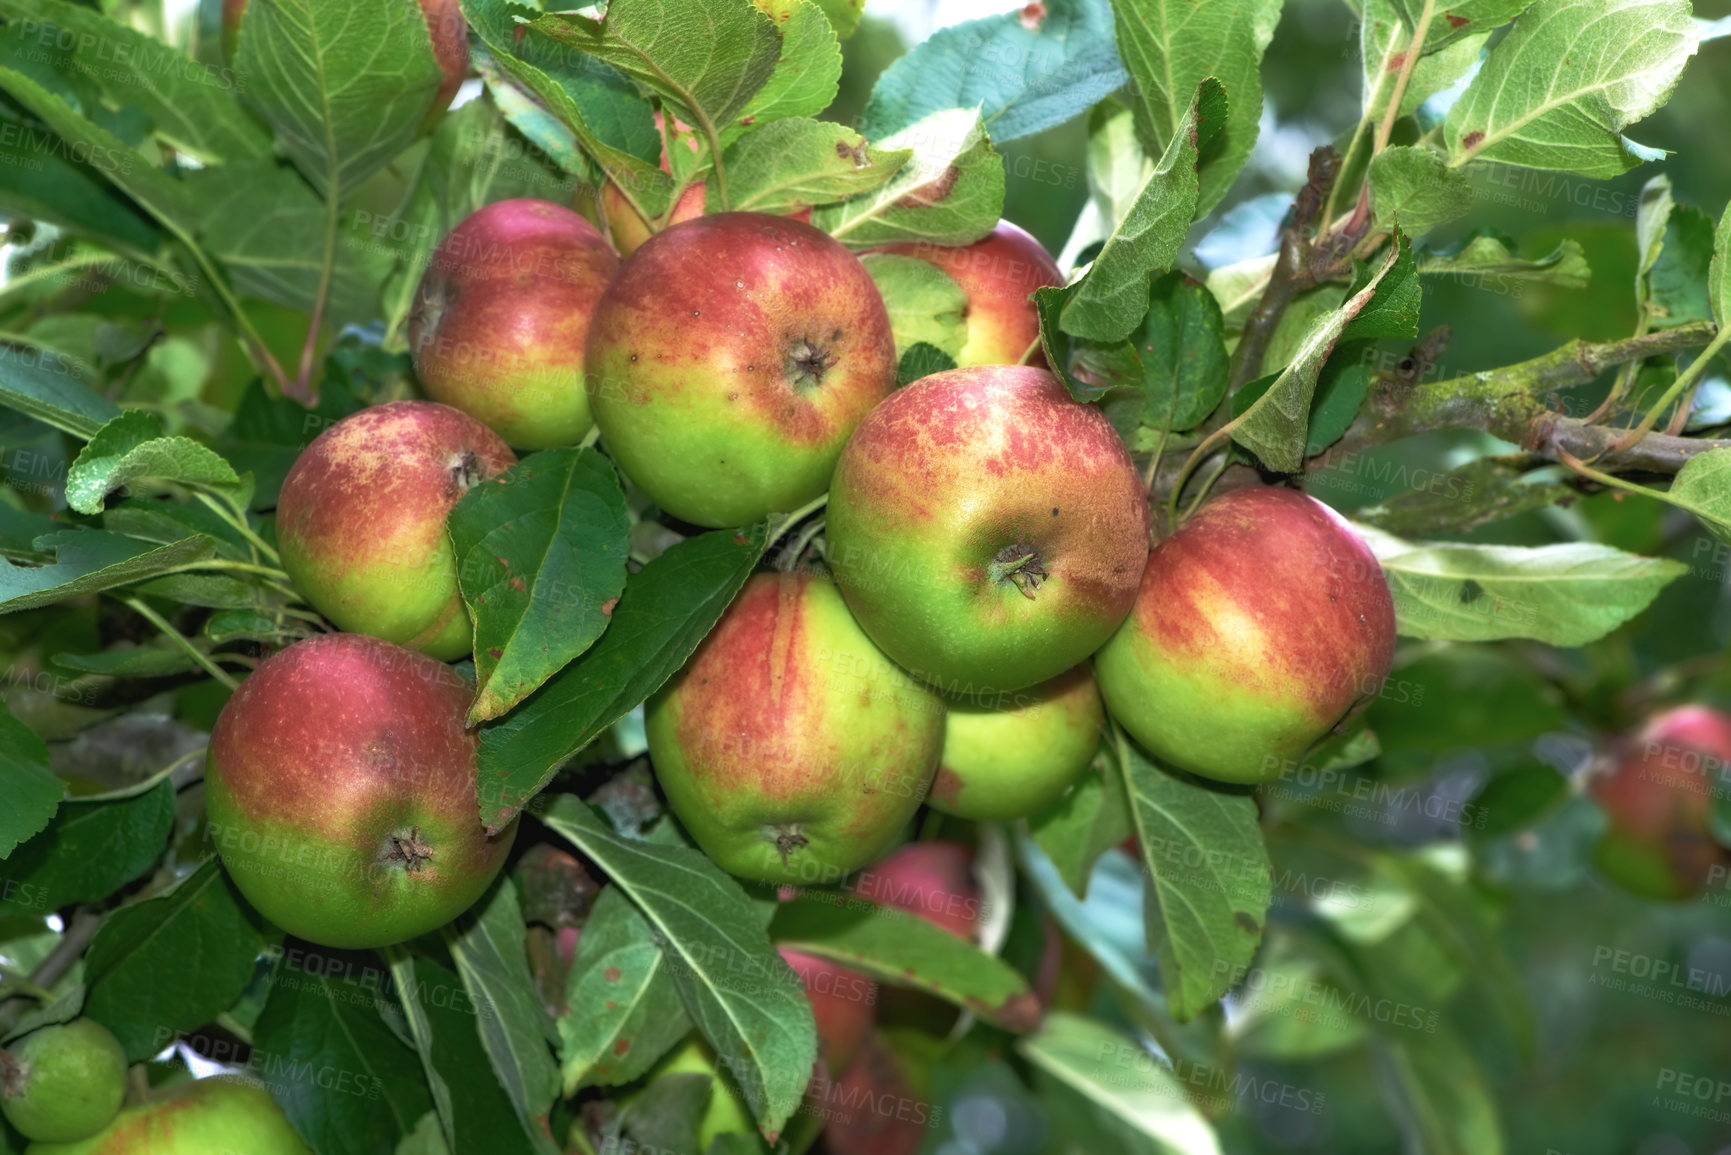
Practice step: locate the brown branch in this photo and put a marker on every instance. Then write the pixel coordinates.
(73, 941)
(1510, 403)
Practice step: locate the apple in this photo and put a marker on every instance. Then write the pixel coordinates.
(445, 25)
(999, 273)
(502, 317)
(1009, 756)
(62, 1082)
(729, 361)
(224, 1114)
(842, 1000)
(934, 880)
(1261, 624)
(625, 225)
(987, 530)
(1658, 796)
(343, 796)
(361, 521)
(873, 1110)
(789, 746)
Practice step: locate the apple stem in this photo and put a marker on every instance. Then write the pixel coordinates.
(179, 639)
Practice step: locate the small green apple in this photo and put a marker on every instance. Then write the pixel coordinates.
(361, 521)
(501, 319)
(729, 361)
(726, 1111)
(1658, 796)
(789, 746)
(216, 1116)
(1009, 756)
(999, 273)
(62, 1082)
(1260, 625)
(987, 530)
(342, 793)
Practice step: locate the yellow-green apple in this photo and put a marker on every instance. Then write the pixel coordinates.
(1011, 755)
(726, 1111)
(1260, 625)
(789, 746)
(343, 795)
(361, 521)
(934, 880)
(445, 26)
(62, 1082)
(999, 273)
(842, 1001)
(987, 530)
(1658, 795)
(730, 359)
(501, 319)
(206, 1117)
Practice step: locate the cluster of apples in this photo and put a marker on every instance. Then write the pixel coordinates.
(62, 1085)
(986, 535)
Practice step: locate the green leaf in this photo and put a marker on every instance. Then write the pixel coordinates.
(1113, 295)
(191, 105)
(345, 86)
(444, 1024)
(45, 385)
(1211, 879)
(925, 304)
(91, 560)
(153, 661)
(1415, 188)
(171, 963)
(29, 791)
(1120, 1080)
(1171, 47)
(625, 1009)
(487, 946)
(705, 58)
(665, 611)
(950, 193)
(1677, 282)
(1488, 260)
(345, 1080)
(743, 997)
(87, 851)
(1703, 487)
(1394, 308)
(1567, 594)
(268, 433)
(1090, 819)
(1461, 500)
(1719, 272)
(541, 561)
(267, 228)
(1340, 393)
(843, 15)
(904, 949)
(1276, 426)
(131, 449)
(793, 164)
(1559, 90)
(1026, 72)
(921, 360)
(807, 71)
(1182, 349)
(1442, 1094)
(614, 126)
